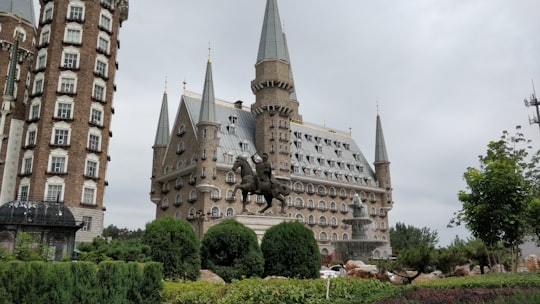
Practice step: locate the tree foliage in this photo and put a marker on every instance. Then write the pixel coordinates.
(114, 232)
(231, 250)
(407, 237)
(499, 193)
(173, 243)
(290, 250)
(117, 249)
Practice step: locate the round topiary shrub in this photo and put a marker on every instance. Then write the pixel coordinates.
(290, 250)
(231, 250)
(174, 244)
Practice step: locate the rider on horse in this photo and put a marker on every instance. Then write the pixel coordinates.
(263, 168)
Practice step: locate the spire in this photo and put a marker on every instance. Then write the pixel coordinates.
(208, 104)
(162, 134)
(272, 44)
(13, 68)
(380, 146)
(23, 8)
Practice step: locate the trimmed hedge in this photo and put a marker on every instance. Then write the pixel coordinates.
(79, 282)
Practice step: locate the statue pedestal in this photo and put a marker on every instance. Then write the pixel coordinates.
(260, 223)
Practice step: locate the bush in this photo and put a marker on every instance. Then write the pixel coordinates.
(152, 283)
(174, 244)
(290, 250)
(231, 250)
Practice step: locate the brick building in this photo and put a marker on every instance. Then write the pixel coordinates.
(192, 177)
(55, 120)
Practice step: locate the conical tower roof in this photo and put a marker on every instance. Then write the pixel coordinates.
(162, 133)
(208, 104)
(23, 8)
(272, 44)
(380, 146)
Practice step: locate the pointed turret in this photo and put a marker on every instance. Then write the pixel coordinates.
(272, 43)
(23, 8)
(162, 133)
(208, 104)
(380, 146)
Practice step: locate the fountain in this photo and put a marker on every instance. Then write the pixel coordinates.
(358, 247)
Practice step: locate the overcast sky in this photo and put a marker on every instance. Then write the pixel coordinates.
(448, 76)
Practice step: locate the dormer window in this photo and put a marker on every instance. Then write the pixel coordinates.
(244, 146)
(181, 130)
(233, 119)
(232, 129)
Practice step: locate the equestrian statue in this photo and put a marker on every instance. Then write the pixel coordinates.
(260, 183)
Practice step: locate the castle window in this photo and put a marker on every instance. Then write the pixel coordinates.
(322, 206)
(231, 129)
(34, 109)
(214, 212)
(107, 3)
(345, 237)
(89, 194)
(233, 119)
(231, 178)
(300, 218)
(298, 187)
(344, 207)
(230, 212)
(334, 236)
(181, 130)
(323, 237)
(181, 148)
(192, 195)
(215, 194)
(311, 219)
(54, 193)
(321, 190)
(310, 204)
(244, 145)
(334, 221)
(298, 202)
(27, 164)
(76, 13)
(194, 159)
(178, 200)
(23, 192)
(31, 135)
(179, 183)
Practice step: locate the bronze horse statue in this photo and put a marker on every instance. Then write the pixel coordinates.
(251, 184)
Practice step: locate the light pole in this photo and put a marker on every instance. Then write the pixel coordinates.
(533, 102)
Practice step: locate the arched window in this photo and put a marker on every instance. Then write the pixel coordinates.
(300, 218)
(334, 236)
(324, 252)
(322, 221)
(215, 194)
(215, 212)
(310, 204)
(164, 203)
(298, 202)
(311, 219)
(178, 215)
(334, 221)
(333, 206)
(178, 200)
(323, 237)
(231, 177)
(322, 206)
(321, 190)
(345, 237)
(230, 212)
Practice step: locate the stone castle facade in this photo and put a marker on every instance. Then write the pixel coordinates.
(192, 177)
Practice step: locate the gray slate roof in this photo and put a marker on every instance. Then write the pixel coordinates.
(162, 133)
(272, 43)
(380, 146)
(304, 140)
(24, 8)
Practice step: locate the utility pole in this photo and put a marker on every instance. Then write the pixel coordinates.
(533, 102)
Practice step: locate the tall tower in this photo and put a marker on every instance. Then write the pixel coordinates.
(273, 84)
(17, 36)
(382, 166)
(67, 134)
(160, 147)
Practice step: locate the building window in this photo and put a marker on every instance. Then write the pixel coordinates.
(103, 44)
(61, 137)
(38, 85)
(230, 177)
(73, 35)
(48, 14)
(94, 142)
(105, 22)
(86, 223)
(215, 194)
(67, 85)
(31, 137)
(101, 67)
(34, 110)
(63, 110)
(96, 116)
(345, 237)
(71, 60)
(45, 35)
(23, 192)
(42, 61)
(27, 165)
(230, 212)
(99, 92)
(89, 195)
(76, 13)
(58, 164)
(54, 193)
(91, 168)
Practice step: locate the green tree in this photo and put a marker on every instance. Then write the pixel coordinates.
(407, 237)
(290, 250)
(173, 243)
(231, 250)
(498, 194)
(26, 248)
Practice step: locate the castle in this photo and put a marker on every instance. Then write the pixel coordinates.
(192, 177)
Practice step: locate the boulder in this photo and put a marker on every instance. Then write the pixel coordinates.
(532, 262)
(210, 276)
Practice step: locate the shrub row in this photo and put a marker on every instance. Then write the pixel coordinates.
(79, 282)
(255, 290)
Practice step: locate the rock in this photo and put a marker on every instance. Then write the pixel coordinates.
(210, 276)
(360, 265)
(532, 262)
(461, 271)
(424, 277)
